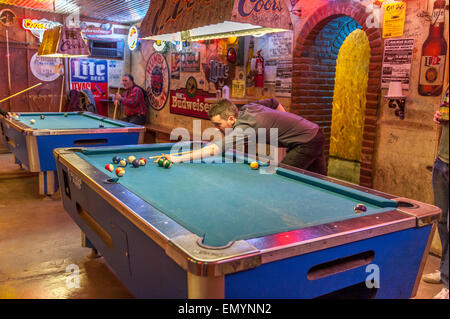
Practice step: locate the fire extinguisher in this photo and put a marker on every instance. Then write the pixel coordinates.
(259, 66)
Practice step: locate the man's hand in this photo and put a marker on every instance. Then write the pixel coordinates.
(117, 97)
(437, 117)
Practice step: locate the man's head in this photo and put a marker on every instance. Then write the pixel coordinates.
(223, 114)
(128, 81)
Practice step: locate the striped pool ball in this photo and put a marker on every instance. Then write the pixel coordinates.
(120, 171)
(131, 159)
(123, 162)
(109, 167)
(167, 164)
(142, 161)
(42, 116)
(116, 159)
(135, 163)
(161, 161)
(360, 208)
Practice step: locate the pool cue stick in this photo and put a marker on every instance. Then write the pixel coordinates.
(9, 68)
(117, 101)
(152, 157)
(60, 98)
(31, 87)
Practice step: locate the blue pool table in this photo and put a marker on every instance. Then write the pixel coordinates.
(219, 229)
(32, 143)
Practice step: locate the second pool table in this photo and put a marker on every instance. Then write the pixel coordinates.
(32, 144)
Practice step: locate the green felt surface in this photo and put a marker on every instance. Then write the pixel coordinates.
(225, 202)
(53, 121)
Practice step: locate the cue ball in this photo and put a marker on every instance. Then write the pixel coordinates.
(254, 165)
(131, 159)
(135, 163)
(109, 167)
(42, 116)
(123, 162)
(120, 171)
(360, 208)
(32, 121)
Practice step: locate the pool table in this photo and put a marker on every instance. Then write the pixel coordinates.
(32, 143)
(216, 228)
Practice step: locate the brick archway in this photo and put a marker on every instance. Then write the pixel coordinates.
(313, 81)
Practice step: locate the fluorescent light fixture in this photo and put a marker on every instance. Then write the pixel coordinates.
(216, 31)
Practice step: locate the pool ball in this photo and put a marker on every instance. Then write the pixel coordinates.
(42, 116)
(360, 208)
(254, 165)
(142, 161)
(161, 160)
(65, 114)
(109, 167)
(123, 162)
(101, 126)
(135, 163)
(116, 159)
(131, 159)
(32, 121)
(120, 171)
(167, 163)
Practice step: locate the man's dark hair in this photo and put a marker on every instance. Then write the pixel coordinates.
(224, 108)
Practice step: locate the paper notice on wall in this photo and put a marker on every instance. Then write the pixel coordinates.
(394, 19)
(283, 81)
(397, 61)
(115, 71)
(280, 45)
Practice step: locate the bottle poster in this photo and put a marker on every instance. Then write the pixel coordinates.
(394, 19)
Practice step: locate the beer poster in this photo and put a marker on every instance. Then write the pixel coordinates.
(89, 74)
(394, 19)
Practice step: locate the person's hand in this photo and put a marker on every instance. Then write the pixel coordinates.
(118, 97)
(437, 117)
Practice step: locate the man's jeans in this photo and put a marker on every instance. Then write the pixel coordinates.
(440, 188)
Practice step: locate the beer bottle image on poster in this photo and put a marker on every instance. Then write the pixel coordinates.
(434, 50)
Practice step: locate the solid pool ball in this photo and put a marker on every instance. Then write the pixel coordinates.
(123, 162)
(167, 163)
(161, 161)
(135, 163)
(109, 167)
(42, 116)
(142, 161)
(120, 171)
(101, 126)
(65, 114)
(116, 159)
(360, 208)
(131, 159)
(32, 121)
(254, 165)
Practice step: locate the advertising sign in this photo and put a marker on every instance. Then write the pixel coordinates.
(89, 74)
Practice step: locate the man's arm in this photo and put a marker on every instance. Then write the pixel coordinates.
(207, 151)
(272, 103)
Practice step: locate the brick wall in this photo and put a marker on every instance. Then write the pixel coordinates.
(314, 68)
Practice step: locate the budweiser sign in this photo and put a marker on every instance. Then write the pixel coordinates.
(38, 27)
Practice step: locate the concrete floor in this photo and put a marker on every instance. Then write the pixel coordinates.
(40, 244)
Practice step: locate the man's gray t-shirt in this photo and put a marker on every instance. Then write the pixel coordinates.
(292, 129)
